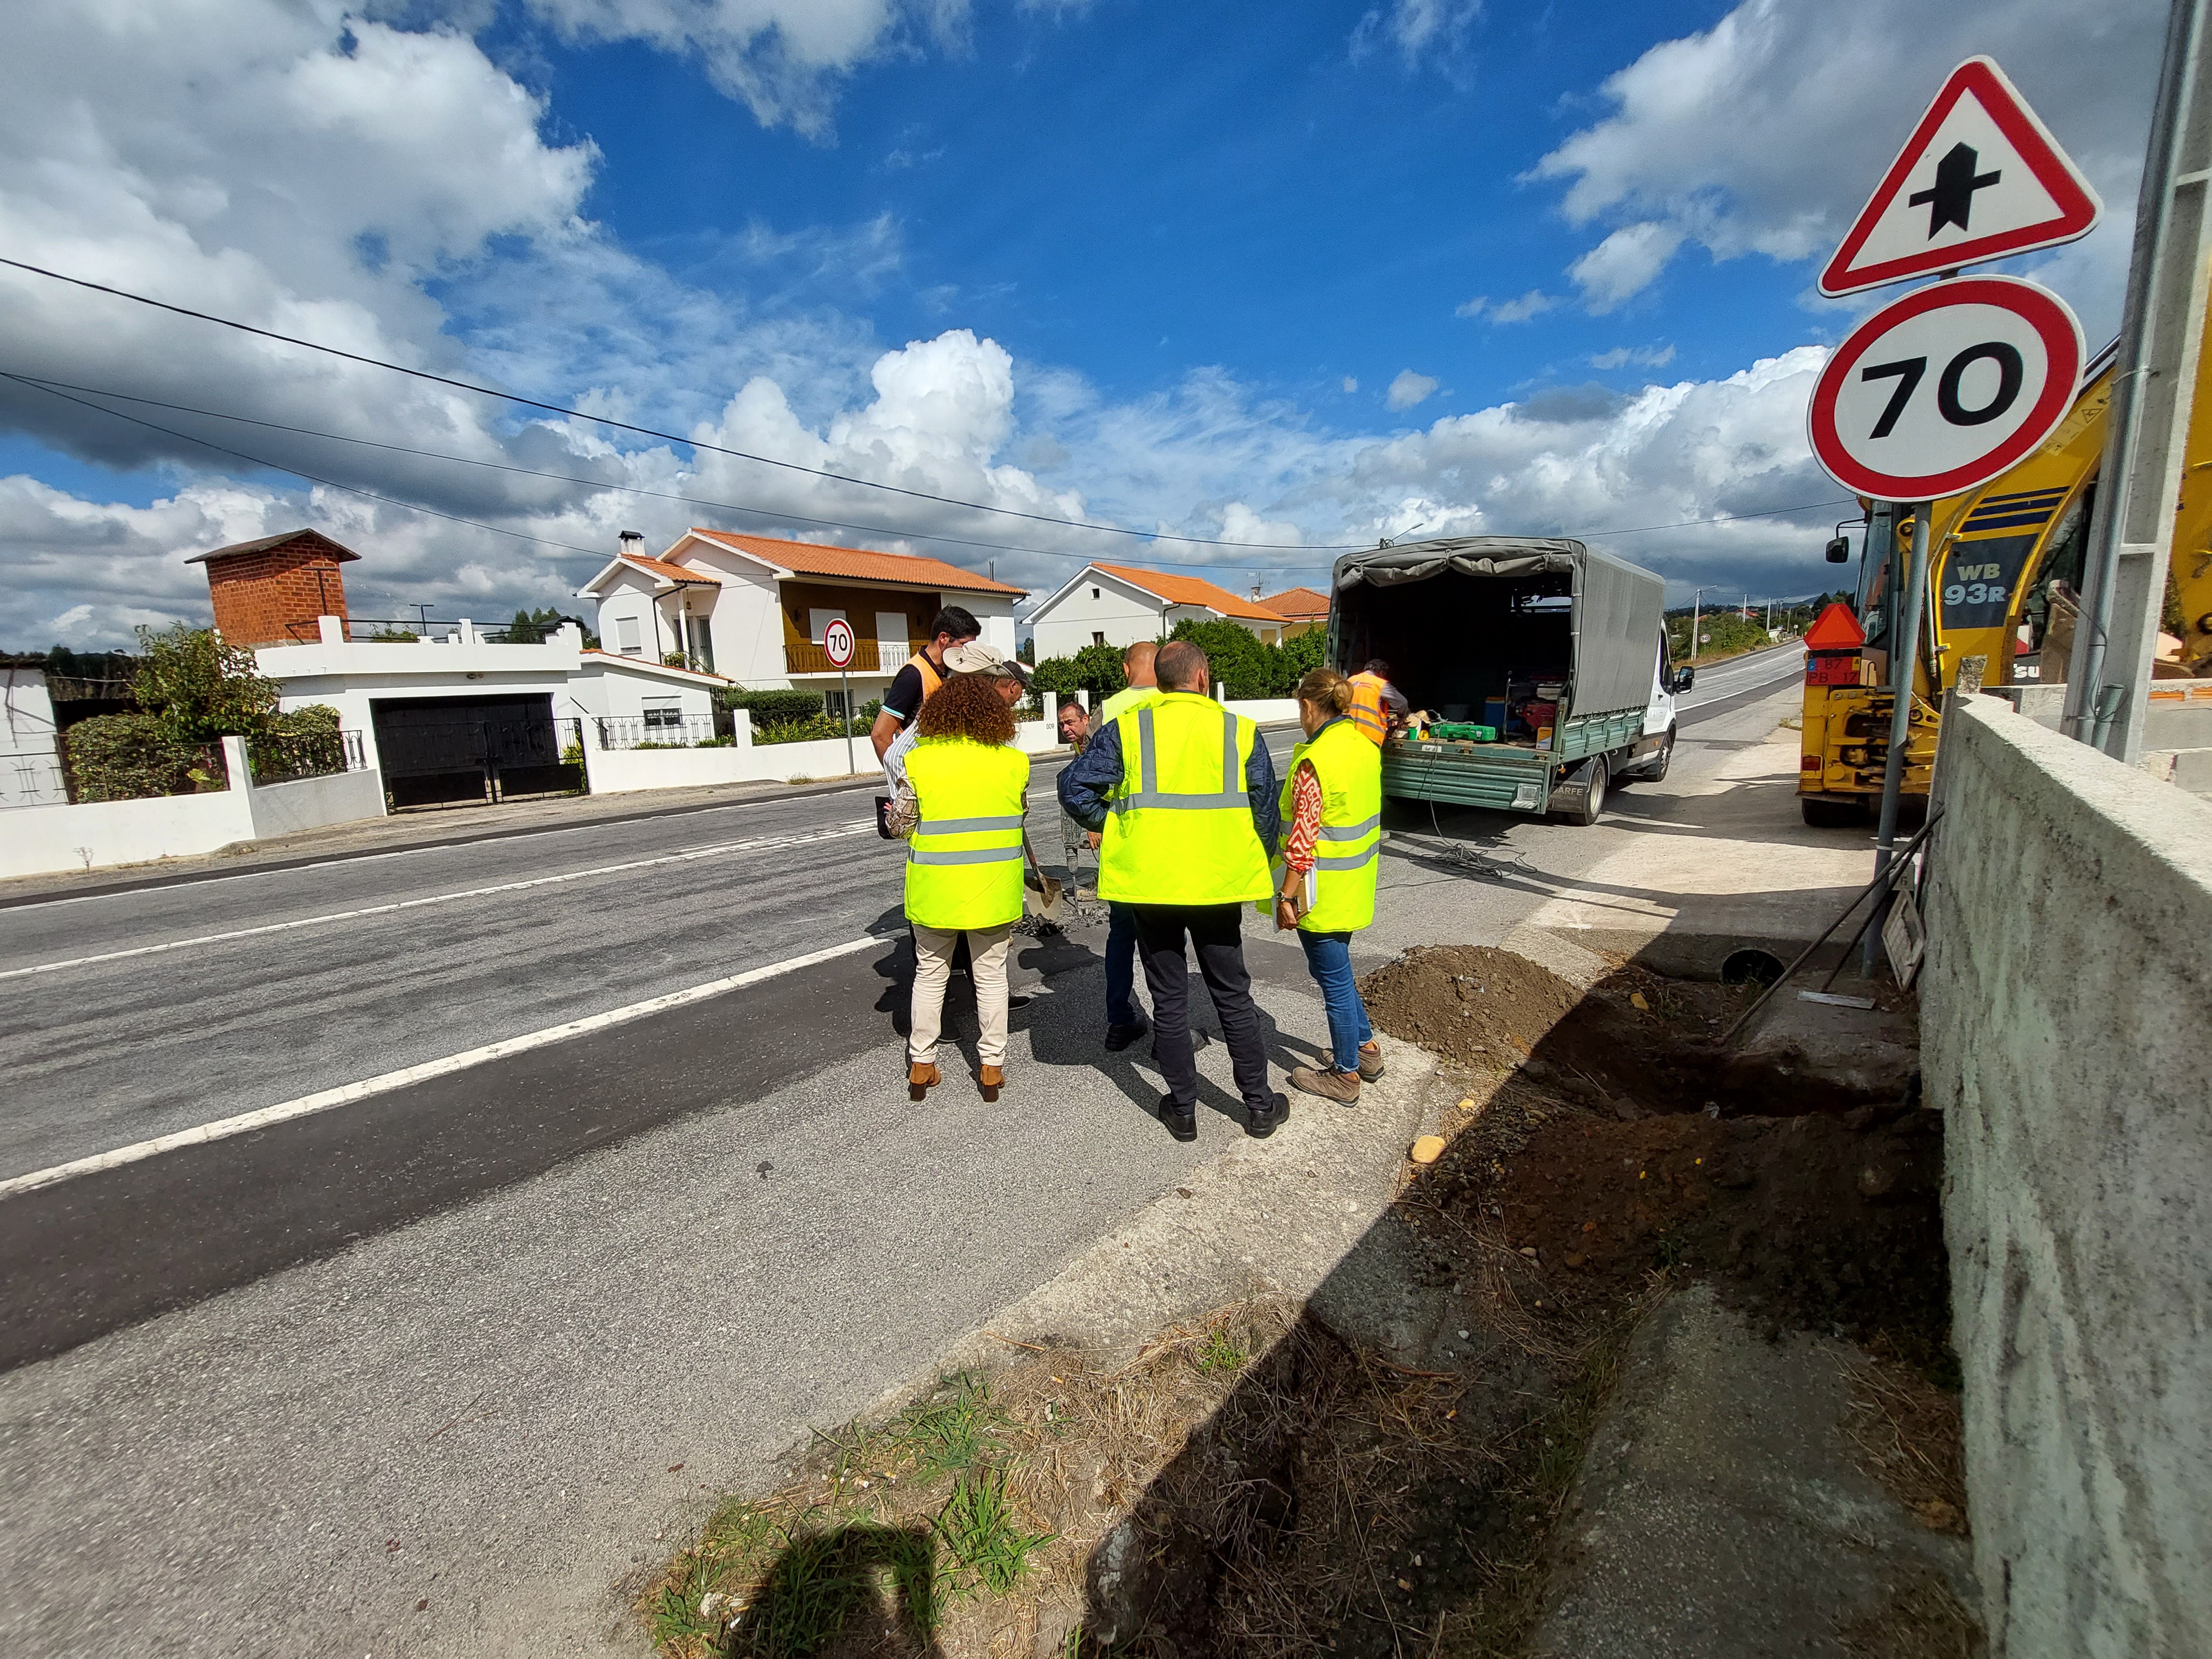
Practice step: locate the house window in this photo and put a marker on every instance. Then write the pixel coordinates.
(626, 638)
(1094, 592)
(818, 620)
(664, 715)
(1097, 638)
(703, 643)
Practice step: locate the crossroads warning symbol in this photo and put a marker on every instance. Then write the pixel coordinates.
(1981, 177)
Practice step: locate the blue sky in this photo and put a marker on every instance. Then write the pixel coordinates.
(1253, 274)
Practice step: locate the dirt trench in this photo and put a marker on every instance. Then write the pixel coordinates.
(1269, 1482)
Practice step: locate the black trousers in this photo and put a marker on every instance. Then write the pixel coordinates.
(1216, 932)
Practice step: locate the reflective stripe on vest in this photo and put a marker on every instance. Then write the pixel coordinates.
(963, 861)
(1181, 830)
(1367, 711)
(1348, 847)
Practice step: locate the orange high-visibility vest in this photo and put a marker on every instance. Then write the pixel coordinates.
(930, 678)
(1366, 710)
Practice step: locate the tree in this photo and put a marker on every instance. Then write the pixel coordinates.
(198, 688)
(1096, 669)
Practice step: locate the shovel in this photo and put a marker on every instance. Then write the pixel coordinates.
(1042, 894)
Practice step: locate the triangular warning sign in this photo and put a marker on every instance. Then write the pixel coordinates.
(1835, 629)
(1980, 178)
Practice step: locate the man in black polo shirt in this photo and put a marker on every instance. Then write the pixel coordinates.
(923, 673)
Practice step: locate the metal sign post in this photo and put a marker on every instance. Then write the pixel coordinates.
(837, 646)
(1904, 649)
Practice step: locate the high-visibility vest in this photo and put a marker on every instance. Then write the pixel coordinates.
(1348, 852)
(1367, 711)
(1128, 697)
(932, 677)
(1180, 830)
(963, 861)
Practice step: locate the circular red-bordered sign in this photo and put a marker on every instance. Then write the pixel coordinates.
(1946, 388)
(837, 642)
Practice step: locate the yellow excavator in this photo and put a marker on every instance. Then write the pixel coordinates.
(2005, 572)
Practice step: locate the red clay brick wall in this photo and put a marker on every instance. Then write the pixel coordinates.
(256, 595)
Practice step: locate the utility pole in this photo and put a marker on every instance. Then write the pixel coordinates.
(2154, 390)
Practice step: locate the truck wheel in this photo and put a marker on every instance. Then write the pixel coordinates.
(1832, 814)
(1651, 770)
(1593, 793)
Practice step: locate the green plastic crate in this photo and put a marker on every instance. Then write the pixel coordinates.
(1462, 731)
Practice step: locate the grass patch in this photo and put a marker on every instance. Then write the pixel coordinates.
(982, 1533)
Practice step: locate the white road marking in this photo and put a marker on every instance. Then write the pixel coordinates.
(245, 1122)
(759, 844)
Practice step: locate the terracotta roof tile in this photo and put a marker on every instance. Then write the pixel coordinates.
(337, 550)
(858, 564)
(673, 573)
(1299, 603)
(1190, 590)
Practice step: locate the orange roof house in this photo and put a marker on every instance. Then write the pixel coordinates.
(1118, 604)
(1301, 609)
(754, 608)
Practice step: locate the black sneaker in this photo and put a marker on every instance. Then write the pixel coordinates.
(1260, 1126)
(1181, 1120)
(1119, 1037)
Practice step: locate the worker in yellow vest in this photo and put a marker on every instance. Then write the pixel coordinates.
(1332, 807)
(1183, 793)
(1376, 705)
(963, 870)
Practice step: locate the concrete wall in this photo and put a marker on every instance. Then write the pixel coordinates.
(30, 764)
(96, 834)
(286, 809)
(2063, 1019)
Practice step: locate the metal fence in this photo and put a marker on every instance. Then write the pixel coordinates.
(284, 757)
(660, 731)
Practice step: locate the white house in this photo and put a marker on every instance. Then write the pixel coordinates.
(753, 608)
(1118, 604)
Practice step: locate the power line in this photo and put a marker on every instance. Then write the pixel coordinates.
(653, 432)
(1724, 518)
(45, 384)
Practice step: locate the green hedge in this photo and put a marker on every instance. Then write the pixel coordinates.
(132, 756)
(774, 708)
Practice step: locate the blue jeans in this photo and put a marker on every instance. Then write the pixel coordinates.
(1329, 957)
(1121, 967)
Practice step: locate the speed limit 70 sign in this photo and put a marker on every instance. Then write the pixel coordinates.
(1946, 388)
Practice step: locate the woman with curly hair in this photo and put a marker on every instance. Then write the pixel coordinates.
(963, 870)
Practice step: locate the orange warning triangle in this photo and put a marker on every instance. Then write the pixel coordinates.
(1835, 630)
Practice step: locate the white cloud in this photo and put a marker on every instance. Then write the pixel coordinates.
(1535, 303)
(783, 59)
(1767, 132)
(1649, 356)
(1351, 384)
(1432, 30)
(1624, 263)
(1239, 523)
(1409, 389)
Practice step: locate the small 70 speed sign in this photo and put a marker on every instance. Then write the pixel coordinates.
(1946, 388)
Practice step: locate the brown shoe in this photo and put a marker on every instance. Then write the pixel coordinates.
(991, 1080)
(1329, 1085)
(1370, 1061)
(921, 1077)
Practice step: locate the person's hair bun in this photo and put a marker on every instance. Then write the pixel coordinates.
(1327, 689)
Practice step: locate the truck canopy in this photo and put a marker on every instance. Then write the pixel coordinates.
(1456, 615)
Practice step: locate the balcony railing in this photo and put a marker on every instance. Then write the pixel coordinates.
(280, 759)
(867, 659)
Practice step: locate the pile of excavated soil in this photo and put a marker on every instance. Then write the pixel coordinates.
(1484, 1008)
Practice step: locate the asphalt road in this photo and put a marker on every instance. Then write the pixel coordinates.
(467, 1312)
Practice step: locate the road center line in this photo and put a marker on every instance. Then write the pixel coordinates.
(307, 1105)
(759, 844)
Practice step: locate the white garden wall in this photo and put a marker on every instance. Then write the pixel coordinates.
(97, 835)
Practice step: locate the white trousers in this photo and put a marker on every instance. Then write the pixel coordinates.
(932, 966)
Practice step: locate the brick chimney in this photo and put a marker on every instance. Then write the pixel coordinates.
(269, 592)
